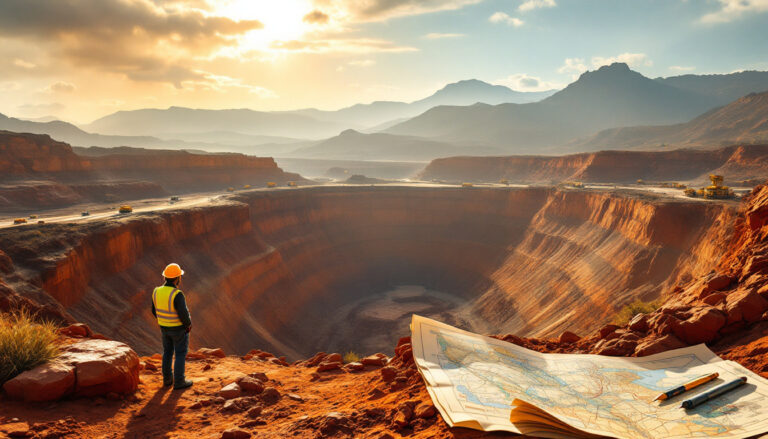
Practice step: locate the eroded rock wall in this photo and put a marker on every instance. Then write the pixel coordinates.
(267, 269)
(735, 162)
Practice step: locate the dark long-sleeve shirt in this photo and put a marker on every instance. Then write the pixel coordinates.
(180, 303)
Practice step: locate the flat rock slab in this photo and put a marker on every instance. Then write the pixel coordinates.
(85, 368)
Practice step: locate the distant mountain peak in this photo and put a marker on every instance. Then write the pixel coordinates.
(615, 67)
(350, 132)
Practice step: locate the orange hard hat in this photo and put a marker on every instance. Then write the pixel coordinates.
(172, 271)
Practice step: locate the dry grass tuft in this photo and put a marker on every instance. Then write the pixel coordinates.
(25, 342)
(638, 306)
(351, 357)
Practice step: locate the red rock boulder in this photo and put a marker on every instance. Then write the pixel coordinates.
(86, 368)
(47, 382)
(702, 326)
(102, 366)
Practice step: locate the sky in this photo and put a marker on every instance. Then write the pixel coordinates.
(79, 60)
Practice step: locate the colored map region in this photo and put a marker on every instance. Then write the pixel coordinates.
(488, 384)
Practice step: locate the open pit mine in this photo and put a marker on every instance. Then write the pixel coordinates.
(342, 268)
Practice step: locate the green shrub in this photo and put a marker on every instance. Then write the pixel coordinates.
(351, 357)
(638, 306)
(25, 343)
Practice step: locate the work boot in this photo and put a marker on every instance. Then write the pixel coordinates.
(183, 385)
(167, 382)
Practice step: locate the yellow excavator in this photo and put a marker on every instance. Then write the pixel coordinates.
(714, 191)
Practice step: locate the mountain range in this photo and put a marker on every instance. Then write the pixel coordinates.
(744, 120)
(609, 97)
(465, 117)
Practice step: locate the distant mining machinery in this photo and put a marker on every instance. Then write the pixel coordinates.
(715, 191)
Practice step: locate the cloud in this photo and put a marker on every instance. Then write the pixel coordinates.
(9, 86)
(524, 82)
(529, 5)
(60, 87)
(633, 60)
(23, 64)
(734, 9)
(316, 17)
(501, 17)
(340, 45)
(682, 68)
(137, 38)
(41, 109)
(440, 36)
(573, 66)
(379, 10)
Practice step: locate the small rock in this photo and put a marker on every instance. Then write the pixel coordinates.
(21, 433)
(606, 330)
(335, 357)
(376, 360)
(235, 433)
(270, 395)
(746, 304)
(295, 397)
(639, 323)
(254, 412)
(218, 352)
(568, 337)
(326, 366)
(249, 384)
(207, 367)
(77, 330)
(388, 373)
(403, 416)
(425, 411)
(354, 366)
(230, 391)
(261, 376)
(702, 326)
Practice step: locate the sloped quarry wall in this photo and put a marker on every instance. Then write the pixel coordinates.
(273, 269)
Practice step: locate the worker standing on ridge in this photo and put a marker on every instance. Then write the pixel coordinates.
(170, 308)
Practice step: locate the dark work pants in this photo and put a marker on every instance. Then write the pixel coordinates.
(175, 341)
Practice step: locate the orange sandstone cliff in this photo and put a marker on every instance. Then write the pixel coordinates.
(735, 162)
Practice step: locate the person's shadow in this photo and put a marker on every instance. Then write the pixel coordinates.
(157, 418)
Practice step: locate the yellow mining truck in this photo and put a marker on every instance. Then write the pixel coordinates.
(292, 183)
(467, 185)
(690, 192)
(247, 186)
(271, 184)
(716, 189)
(125, 208)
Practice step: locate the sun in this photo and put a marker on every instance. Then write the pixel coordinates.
(282, 19)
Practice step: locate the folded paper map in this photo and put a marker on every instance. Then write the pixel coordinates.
(487, 384)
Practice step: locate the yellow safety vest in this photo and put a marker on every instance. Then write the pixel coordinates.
(163, 298)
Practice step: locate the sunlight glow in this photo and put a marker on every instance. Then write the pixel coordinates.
(282, 20)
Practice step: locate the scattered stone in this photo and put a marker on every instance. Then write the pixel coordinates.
(77, 330)
(261, 376)
(354, 366)
(230, 391)
(207, 367)
(254, 412)
(218, 352)
(568, 337)
(388, 373)
(335, 357)
(102, 366)
(403, 416)
(376, 360)
(326, 366)
(639, 323)
(295, 397)
(606, 330)
(249, 384)
(235, 433)
(21, 433)
(270, 395)
(425, 411)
